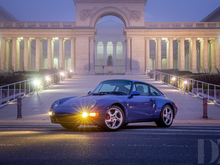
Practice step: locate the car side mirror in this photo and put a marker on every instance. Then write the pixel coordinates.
(89, 92)
(134, 93)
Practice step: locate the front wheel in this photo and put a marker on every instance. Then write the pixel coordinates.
(114, 118)
(166, 117)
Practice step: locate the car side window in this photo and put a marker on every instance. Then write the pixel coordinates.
(142, 88)
(154, 92)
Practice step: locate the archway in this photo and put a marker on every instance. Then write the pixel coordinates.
(110, 46)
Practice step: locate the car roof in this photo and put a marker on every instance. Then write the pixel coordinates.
(134, 81)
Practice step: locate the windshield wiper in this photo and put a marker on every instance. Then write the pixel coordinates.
(121, 93)
(100, 93)
(105, 93)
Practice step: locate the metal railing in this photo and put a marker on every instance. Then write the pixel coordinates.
(9, 93)
(194, 87)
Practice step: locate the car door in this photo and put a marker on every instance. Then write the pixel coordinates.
(141, 106)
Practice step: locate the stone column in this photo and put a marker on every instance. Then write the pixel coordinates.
(128, 57)
(41, 54)
(170, 53)
(194, 56)
(105, 53)
(206, 57)
(114, 57)
(14, 54)
(201, 56)
(52, 51)
(155, 57)
(26, 54)
(178, 53)
(217, 52)
(7, 54)
(61, 53)
(29, 54)
(182, 54)
(147, 54)
(73, 54)
(37, 56)
(158, 53)
(49, 53)
(64, 54)
(2, 69)
(18, 54)
(92, 56)
(167, 53)
(213, 59)
(190, 55)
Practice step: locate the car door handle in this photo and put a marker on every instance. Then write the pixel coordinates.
(151, 99)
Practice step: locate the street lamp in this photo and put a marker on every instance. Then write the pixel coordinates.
(36, 84)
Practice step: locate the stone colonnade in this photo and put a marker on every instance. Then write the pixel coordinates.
(208, 61)
(7, 64)
(209, 53)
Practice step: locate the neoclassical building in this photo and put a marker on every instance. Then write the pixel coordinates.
(139, 46)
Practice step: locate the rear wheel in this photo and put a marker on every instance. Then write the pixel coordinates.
(114, 118)
(70, 126)
(166, 117)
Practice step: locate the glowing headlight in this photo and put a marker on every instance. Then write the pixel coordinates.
(92, 103)
(85, 114)
(50, 113)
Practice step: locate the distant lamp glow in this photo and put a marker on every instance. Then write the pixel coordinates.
(47, 78)
(36, 82)
(185, 82)
(71, 71)
(174, 78)
(85, 114)
(61, 73)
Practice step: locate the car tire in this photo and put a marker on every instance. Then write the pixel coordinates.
(70, 126)
(166, 117)
(114, 118)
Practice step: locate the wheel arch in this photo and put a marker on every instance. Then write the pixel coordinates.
(119, 105)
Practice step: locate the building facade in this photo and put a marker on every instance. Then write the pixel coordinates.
(141, 45)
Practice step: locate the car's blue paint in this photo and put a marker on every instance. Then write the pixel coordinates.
(136, 108)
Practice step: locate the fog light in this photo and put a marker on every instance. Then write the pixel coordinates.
(85, 114)
(50, 113)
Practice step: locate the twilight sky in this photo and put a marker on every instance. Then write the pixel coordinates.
(155, 10)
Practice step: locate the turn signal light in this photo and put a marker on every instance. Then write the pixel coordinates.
(93, 114)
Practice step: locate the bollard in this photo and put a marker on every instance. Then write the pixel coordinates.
(205, 108)
(19, 107)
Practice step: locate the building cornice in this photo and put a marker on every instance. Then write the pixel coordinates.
(110, 1)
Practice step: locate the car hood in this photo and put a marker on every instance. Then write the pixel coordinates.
(84, 101)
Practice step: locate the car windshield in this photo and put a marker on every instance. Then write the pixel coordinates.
(122, 87)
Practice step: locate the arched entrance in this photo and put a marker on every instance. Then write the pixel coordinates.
(110, 46)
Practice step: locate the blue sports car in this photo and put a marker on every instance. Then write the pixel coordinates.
(113, 104)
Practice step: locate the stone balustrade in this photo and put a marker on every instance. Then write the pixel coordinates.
(61, 25)
(39, 25)
(185, 25)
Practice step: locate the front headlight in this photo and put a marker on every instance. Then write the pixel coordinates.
(92, 104)
(56, 103)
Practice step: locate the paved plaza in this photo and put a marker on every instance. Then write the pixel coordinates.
(35, 107)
